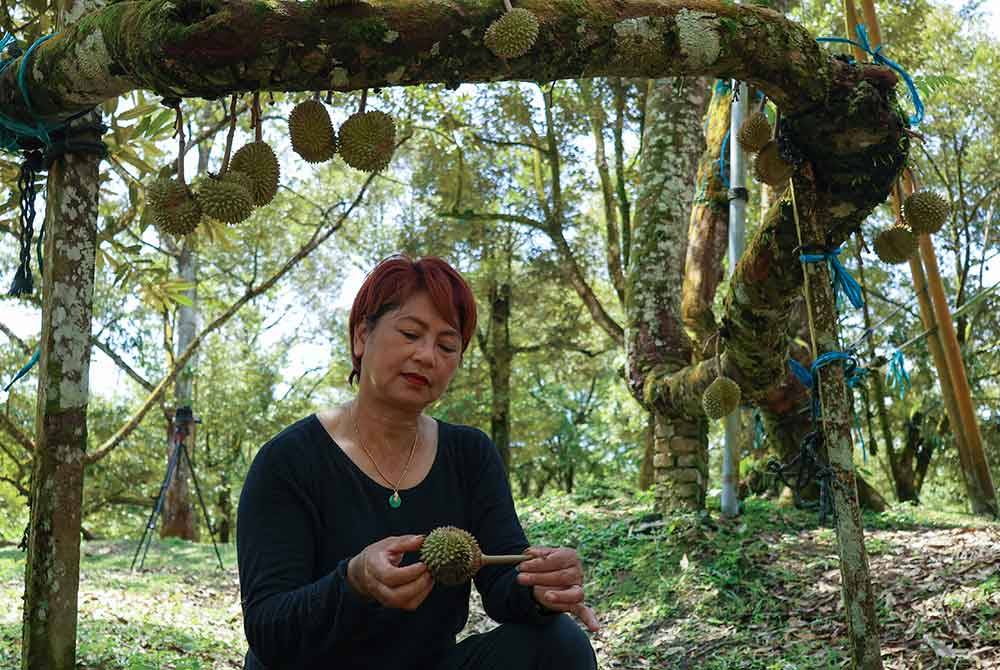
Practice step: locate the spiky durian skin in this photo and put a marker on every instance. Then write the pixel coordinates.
(173, 207)
(513, 34)
(311, 132)
(228, 198)
(755, 132)
(769, 167)
(452, 555)
(720, 398)
(257, 160)
(367, 140)
(925, 212)
(895, 245)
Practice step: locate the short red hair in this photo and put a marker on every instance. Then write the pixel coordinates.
(398, 277)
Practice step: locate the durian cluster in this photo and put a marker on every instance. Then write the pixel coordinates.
(366, 141)
(924, 213)
(452, 555)
(754, 136)
(250, 181)
(721, 398)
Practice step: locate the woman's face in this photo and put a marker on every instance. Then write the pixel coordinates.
(411, 355)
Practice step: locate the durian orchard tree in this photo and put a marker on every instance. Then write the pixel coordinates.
(842, 129)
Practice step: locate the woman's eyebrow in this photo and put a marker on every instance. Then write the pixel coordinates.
(424, 324)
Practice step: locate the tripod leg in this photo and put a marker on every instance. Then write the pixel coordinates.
(151, 523)
(204, 509)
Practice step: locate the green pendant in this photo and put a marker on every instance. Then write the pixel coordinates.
(394, 500)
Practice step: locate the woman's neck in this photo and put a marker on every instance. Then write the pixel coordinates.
(384, 429)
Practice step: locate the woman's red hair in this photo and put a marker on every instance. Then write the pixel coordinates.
(395, 279)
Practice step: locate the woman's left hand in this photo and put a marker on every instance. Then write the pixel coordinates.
(556, 577)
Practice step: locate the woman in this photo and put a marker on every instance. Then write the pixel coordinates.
(335, 508)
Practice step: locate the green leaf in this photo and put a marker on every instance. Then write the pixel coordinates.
(138, 111)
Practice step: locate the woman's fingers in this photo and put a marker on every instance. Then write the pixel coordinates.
(565, 598)
(565, 577)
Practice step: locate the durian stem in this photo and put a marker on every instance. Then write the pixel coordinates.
(506, 3)
(179, 125)
(229, 137)
(504, 559)
(364, 100)
(258, 131)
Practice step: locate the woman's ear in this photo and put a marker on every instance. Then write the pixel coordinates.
(360, 335)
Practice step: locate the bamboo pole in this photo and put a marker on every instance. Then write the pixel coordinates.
(950, 367)
(851, 20)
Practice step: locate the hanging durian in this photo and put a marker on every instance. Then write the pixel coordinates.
(257, 160)
(513, 34)
(720, 398)
(755, 132)
(311, 131)
(228, 198)
(895, 244)
(925, 212)
(173, 207)
(453, 556)
(770, 168)
(368, 140)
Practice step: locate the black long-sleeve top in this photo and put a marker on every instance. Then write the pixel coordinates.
(306, 509)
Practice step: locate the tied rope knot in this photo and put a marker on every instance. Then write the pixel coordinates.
(843, 282)
(879, 59)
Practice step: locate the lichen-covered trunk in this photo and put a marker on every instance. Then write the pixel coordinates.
(671, 146)
(179, 518)
(708, 228)
(52, 568)
(856, 585)
(501, 355)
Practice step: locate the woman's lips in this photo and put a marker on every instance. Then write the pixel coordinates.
(416, 379)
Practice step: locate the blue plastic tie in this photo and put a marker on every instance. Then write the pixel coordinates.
(896, 375)
(723, 160)
(27, 367)
(12, 129)
(842, 279)
(879, 59)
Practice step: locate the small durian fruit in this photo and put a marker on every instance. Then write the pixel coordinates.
(453, 556)
(228, 198)
(513, 34)
(174, 208)
(257, 160)
(769, 167)
(720, 398)
(925, 212)
(895, 244)
(311, 131)
(755, 132)
(367, 140)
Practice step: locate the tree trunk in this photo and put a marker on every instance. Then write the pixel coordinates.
(179, 518)
(52, 567)
(501, 356)
(646, 475)
(671, 146)
(708, 228)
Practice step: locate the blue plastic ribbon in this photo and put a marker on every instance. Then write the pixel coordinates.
(896, 375)
(723, 160)
(879, 59)
(27, 367)
(12, 129)
(842, 279)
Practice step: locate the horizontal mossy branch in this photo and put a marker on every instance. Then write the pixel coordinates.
(209, 48)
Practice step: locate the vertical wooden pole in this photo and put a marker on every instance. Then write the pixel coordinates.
(851, 20)
(856, 585)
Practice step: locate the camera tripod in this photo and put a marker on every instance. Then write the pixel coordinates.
(183, 418)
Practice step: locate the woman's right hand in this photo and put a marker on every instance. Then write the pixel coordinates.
(376, 575)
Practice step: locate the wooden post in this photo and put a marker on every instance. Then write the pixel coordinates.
(856, 586)
(851, 20)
